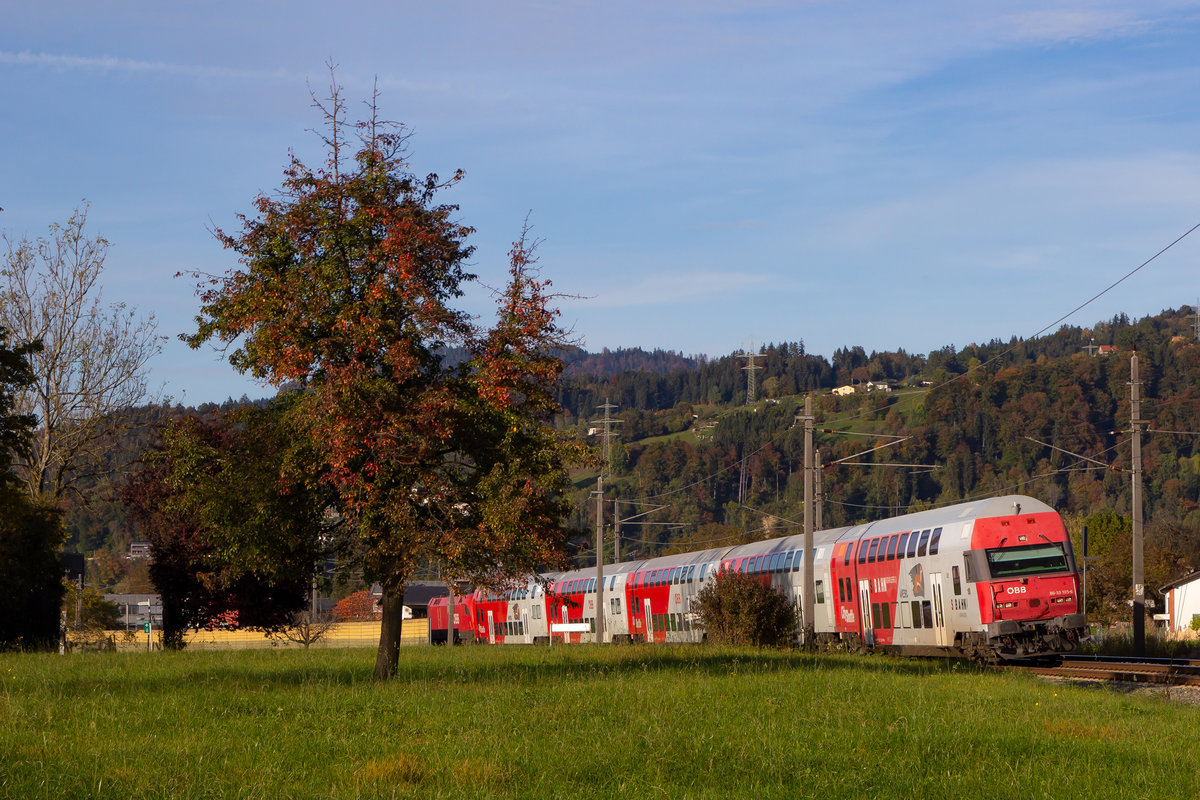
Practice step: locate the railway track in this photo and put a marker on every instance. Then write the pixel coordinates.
(1156, 671)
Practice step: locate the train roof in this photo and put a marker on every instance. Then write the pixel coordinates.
(931, 518)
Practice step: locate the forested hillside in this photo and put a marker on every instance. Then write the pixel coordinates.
(1047, 417)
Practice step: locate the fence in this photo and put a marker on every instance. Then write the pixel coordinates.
(342, 634)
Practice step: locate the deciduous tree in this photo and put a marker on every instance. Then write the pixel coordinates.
(93, 361)
(346, 285)
(235, 517)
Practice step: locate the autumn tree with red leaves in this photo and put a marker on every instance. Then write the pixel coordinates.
(357, 607)
(345, 287)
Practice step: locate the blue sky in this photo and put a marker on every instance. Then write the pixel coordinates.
(702, 174)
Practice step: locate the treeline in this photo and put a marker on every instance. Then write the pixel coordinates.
(1049, 418)
(1044, 417)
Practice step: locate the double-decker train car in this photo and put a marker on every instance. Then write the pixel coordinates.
(991, 579)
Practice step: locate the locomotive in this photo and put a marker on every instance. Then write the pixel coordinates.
(991, 579)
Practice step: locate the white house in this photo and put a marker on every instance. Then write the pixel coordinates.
(1183, 602)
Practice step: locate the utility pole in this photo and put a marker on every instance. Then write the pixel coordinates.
(819, 492)
(608, 422)
(810, 592)
(616, 531)
(1139, 588)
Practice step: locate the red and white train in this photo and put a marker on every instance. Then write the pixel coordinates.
(990, 579)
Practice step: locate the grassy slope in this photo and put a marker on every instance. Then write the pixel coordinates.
(573, 722)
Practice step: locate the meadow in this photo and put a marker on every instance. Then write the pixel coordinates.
(579, 722)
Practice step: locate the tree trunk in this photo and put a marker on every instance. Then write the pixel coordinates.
(388, 657)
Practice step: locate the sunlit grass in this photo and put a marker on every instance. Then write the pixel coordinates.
(572, 722)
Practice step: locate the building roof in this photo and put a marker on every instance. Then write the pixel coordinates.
(1195, 576)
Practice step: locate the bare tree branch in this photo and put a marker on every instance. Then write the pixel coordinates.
(94, 359)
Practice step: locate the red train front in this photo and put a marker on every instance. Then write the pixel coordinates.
(1028, 589)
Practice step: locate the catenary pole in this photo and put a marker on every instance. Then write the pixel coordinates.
(1139, 588)
(810, 593)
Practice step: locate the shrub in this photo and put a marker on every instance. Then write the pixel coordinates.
(741, 609)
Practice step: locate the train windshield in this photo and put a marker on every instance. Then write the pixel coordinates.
(1034, 559)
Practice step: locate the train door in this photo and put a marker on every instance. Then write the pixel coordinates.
(525, 626)
(491, 627)
(864, 612)
(649, 619)
(939, 618)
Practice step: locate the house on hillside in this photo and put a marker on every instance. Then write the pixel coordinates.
(842, 391)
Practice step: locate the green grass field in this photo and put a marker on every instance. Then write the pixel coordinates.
(574, 723)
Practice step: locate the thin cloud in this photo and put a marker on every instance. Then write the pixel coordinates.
(114, 64)
(673, 289)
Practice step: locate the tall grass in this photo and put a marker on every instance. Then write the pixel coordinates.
(580, 722)
(1119, 642)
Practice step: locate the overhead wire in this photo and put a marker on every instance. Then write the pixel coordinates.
(869, 412)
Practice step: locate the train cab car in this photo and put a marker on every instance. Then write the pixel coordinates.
(1028, 590)
(993, 580)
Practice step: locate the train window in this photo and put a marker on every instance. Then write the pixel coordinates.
(903, 615)
(901, 545)
(874, 615)
(933, 542)
(703, 571)
(591, 584)
(787, 560)
(797, 561)
(537, 612)
(862, 552)
(820, 592)
(922, 544)
(691, 573)
(916, 613)
(781, 563)
(957, 583)
(885, 610)
(1012, 562)
(927, 613)
(891, 550)
(912, 544)
(841, 590)
(675, 575)
(872, 552)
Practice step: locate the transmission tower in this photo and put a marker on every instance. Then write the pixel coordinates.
(751, 368)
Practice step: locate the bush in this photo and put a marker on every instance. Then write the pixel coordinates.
(741, 609)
